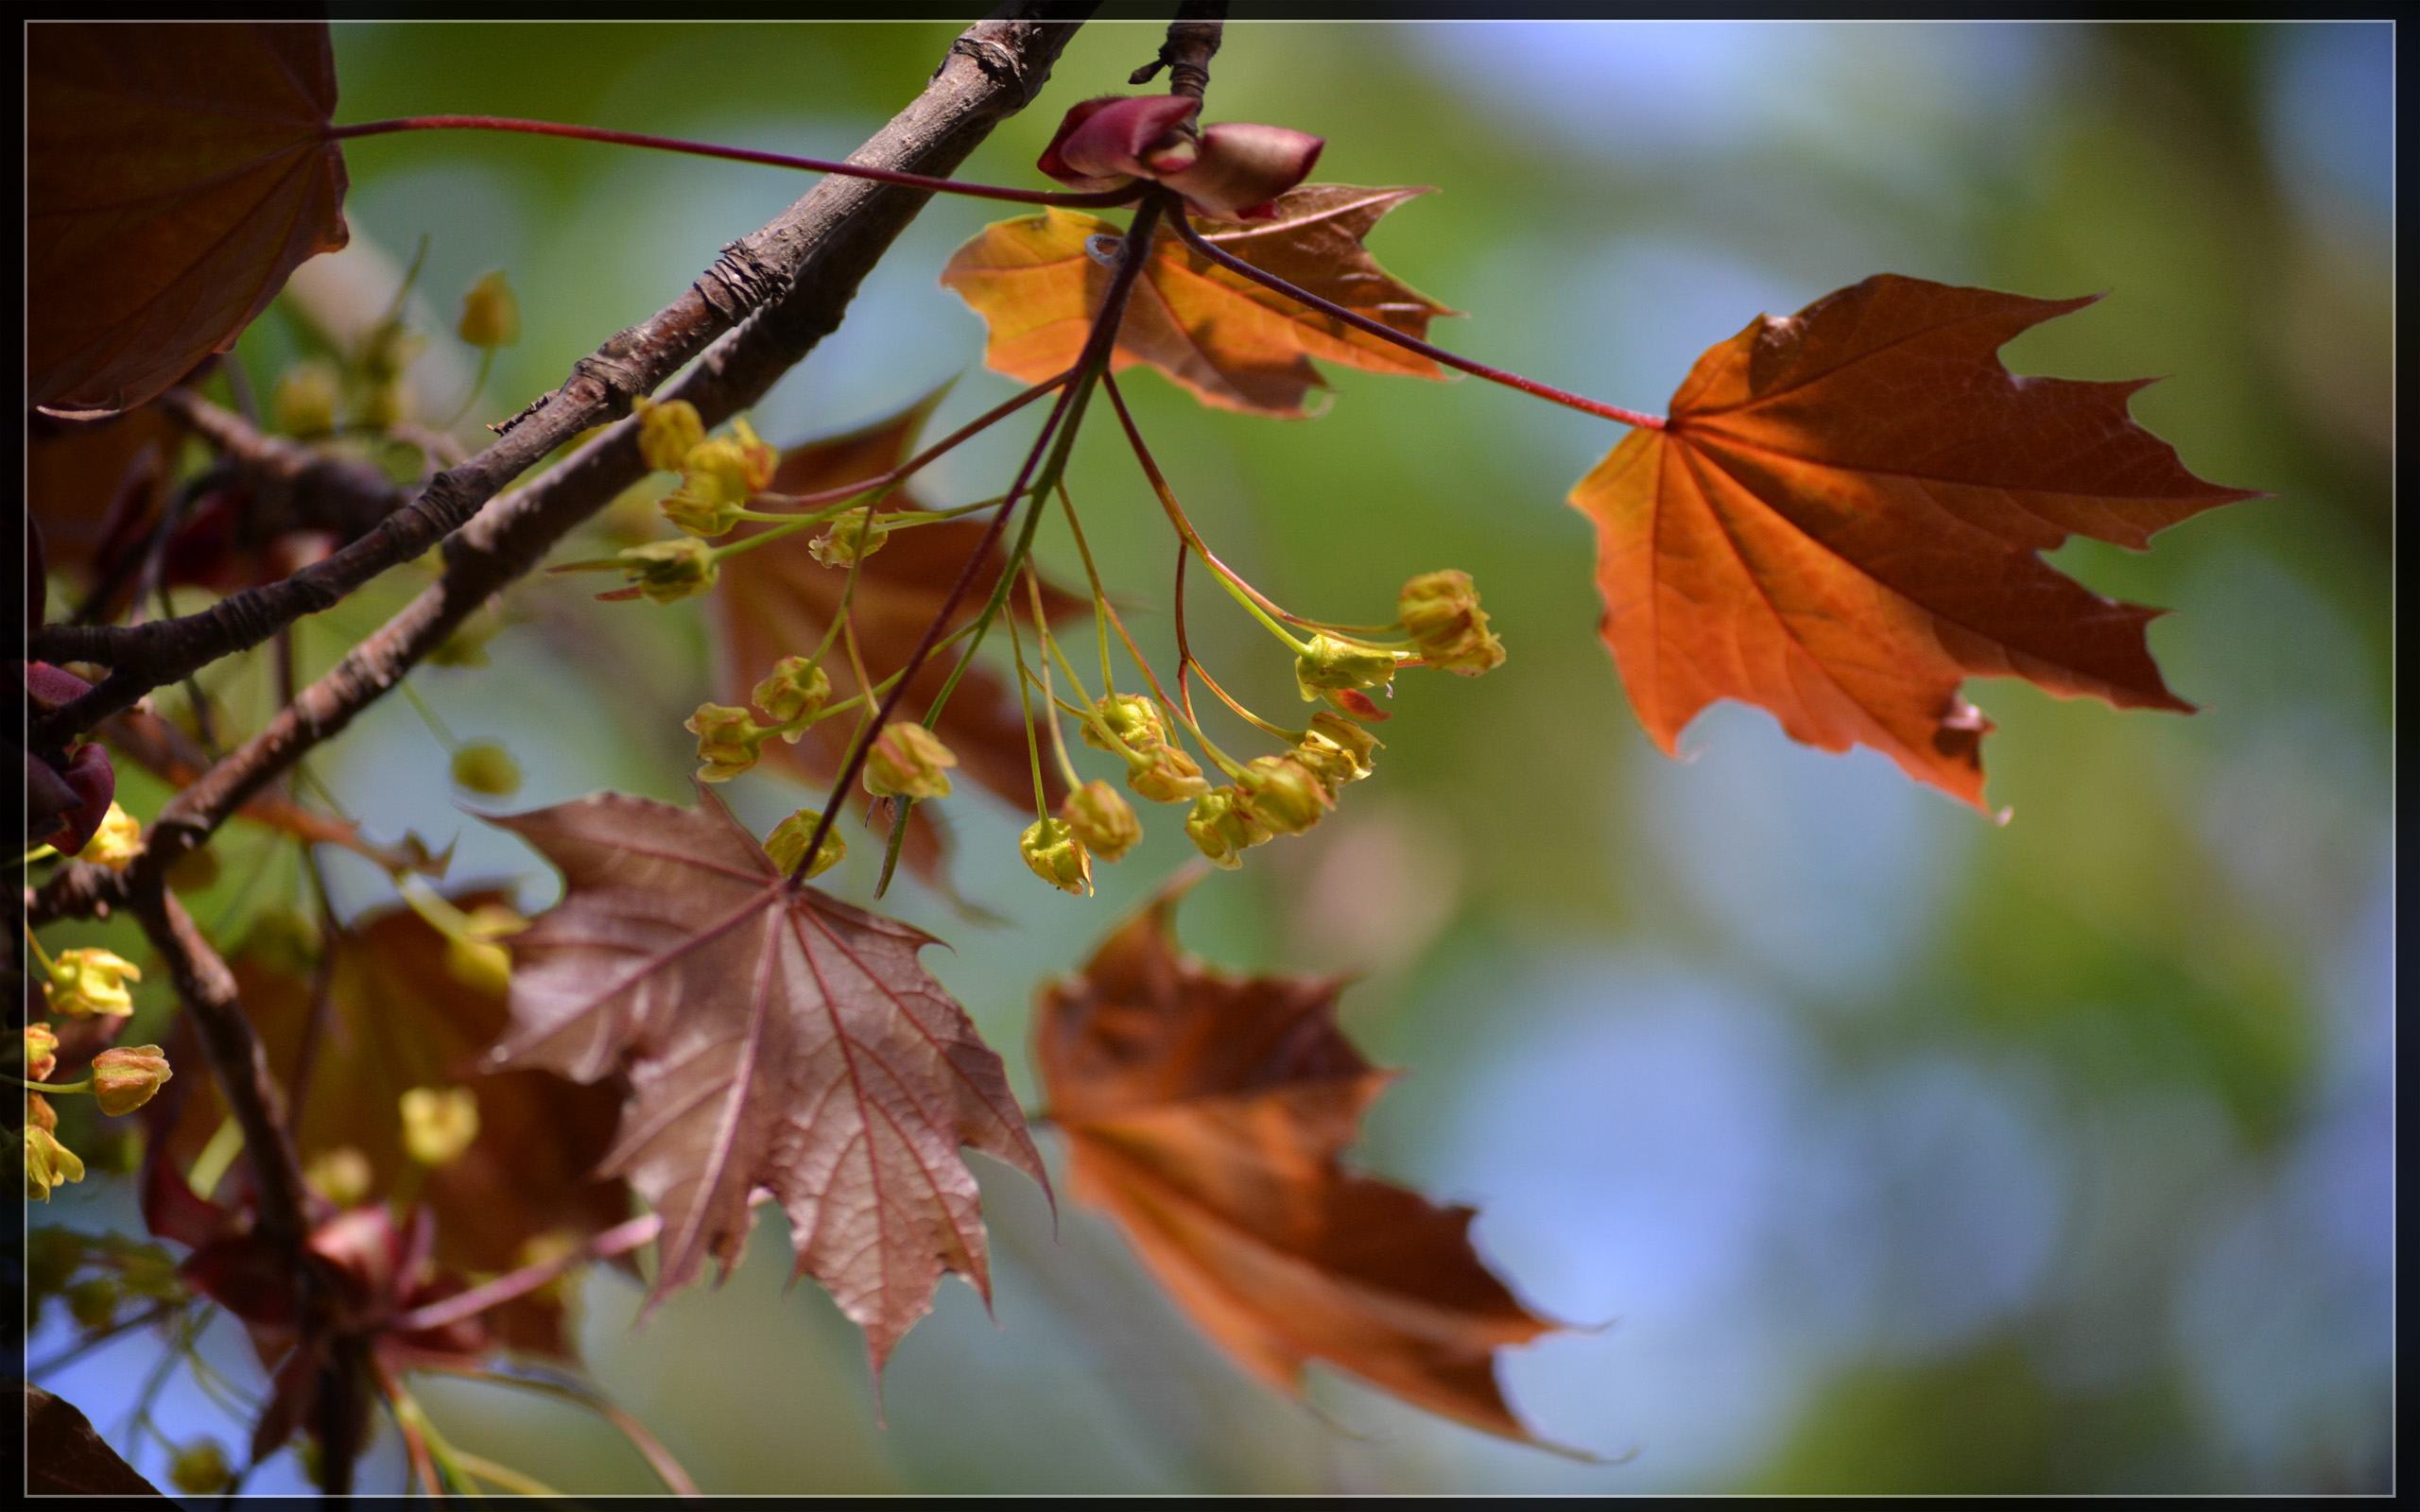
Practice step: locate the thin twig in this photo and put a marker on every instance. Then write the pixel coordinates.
(839, 232)
(1192, 39)
(1410, 343)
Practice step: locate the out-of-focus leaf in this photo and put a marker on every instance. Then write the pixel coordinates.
(1235, 344)
(772, 1036)
(93, 487)
(406, 1009)
(175, 174)
(1844, 517)
(1205, 1115)
(777, 600)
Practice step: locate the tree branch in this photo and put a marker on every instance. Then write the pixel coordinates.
(1193, 40)
(295, 486)
(808, 264)
(992, 72)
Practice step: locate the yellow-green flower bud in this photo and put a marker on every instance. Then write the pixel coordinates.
(758, 460)
(42, 1051)
(485, 767)
(1051, 849)
(1102, 819)
(1133, 717)
(906, 762)
(1441, 609)
(200, 1468)
(118, 841)
(666, 432)
(1336, 749)
(481, 965)
(668, 571)
(701, 508)
(788, 842)
(305, 401)
(439, 1123)
(851, 539)
(93, 1303)
(795, 692)
(1283, 793)
(123, 1077)
(490, 316)
(90, 981)
(1219, 827)
(40, 1114)
(1329, 662)
(48, 1164)
(1167, 775)
(343, 1175)
(727, 741)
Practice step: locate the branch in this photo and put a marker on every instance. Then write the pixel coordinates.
(207, 990)
(808, 264)
(991, 71)
(295, 486)
(1193, 40)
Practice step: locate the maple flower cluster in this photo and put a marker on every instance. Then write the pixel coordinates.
(87, 989)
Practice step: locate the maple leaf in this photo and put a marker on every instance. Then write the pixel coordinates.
(175, 176)
(772, 1036)
(1235, 344)
(403, 1012)
(1843, 520)
(777, 600)
(1205, 1115)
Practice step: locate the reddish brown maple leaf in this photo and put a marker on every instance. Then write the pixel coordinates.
(772, 1036)
(777, 600)
(1844, 517)
(1205, 1115)
(402, 1012)
(175, 174)
(1235, 344)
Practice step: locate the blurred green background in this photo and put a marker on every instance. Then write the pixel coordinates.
(1902, 1152)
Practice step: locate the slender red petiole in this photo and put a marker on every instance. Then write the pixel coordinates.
(703, 150)
(925, 457)
(1410, 343)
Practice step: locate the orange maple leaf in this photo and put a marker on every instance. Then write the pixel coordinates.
(175, 174)
(1843, 520)
(1235, 344)
(1205, 1115)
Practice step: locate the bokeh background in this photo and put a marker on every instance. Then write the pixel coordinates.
(1877, 1148)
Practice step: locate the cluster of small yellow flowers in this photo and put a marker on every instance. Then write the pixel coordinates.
(1441, 612)
(85, 983)
(116, 843)
(91, 981)
(1051, 849)
(718, 475)
(850, 538)
(788, 843)
(1155, 768)
(907, 761)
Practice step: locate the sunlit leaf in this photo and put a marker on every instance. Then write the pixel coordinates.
(1205, 1115)
(1846, 517)
(1234, 343)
